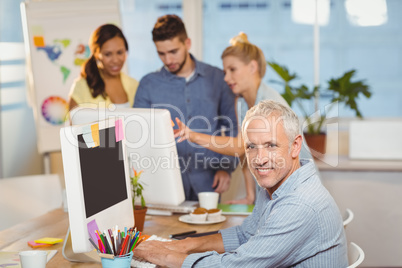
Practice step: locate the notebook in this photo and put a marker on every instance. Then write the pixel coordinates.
(236, 209)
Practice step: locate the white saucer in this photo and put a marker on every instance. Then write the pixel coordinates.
(187, 219)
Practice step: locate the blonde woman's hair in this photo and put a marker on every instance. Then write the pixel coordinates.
(241, 48)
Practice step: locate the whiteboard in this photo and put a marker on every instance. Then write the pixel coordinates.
(56, 35)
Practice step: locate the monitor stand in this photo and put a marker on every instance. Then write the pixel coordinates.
(69, 254)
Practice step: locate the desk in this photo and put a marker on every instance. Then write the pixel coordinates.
(55, 224)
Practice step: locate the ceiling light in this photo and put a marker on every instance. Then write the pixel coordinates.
(367, 13)
(303, 11)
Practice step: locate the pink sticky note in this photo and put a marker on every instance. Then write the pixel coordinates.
(32, 244)
(92, 226)
(119, 130)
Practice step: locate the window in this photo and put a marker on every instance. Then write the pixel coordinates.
(375, 51)
(138, 19)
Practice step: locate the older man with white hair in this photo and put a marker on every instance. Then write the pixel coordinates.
(295, 222)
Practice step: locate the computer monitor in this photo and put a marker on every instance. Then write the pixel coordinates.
(97, 179)
(150, 146)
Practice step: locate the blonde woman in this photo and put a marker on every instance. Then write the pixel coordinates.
(244, 66)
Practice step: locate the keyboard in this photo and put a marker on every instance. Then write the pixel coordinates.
(185, 207)
(137, 262)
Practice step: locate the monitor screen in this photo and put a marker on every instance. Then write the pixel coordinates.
(149, 145)
(102, 172)
(97, 179)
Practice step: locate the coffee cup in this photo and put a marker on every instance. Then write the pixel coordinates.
(208, 200)
(33, 258)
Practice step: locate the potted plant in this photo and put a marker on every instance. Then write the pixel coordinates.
(342, 90)
(139, 210)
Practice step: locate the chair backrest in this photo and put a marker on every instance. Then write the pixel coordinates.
(355, 255)
(347, 217)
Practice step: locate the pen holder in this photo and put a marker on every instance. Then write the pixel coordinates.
(123, 261)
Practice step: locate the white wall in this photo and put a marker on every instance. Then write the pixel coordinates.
(372, 190)
(375, 199)
(19, 155)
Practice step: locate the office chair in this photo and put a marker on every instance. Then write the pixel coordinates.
(355, 255)
(347, 217)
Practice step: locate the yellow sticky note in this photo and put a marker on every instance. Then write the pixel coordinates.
(49, 240)
(37, 30)
(171, 122)
(95, 134)
(39, 41)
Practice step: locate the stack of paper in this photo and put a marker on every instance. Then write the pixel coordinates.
(44, 242)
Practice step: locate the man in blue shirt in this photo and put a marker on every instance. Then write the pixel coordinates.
(295, 222)
(196, 93)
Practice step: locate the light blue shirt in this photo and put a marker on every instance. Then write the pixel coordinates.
(206, 104)
(300, 227)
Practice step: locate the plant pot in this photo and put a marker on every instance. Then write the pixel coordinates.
(317, 143)
(139, 217)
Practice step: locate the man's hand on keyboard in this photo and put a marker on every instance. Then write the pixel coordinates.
(157, 252)
(173, 253)
(187, 246)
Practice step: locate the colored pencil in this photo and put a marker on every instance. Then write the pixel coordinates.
(93, 244)
(101, 246)
(124, 245)
(139, 242)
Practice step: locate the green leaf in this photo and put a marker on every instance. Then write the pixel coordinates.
(137, 189)
(347, 91)
(343, 90)
(282, 71)
(142, 201)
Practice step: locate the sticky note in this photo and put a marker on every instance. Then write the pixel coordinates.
(118, 125)
(88, 140)
(171, 122)
(39, 41)
(95, 134)
(87, 136)
(92, 227)
(32, 244)
(49, 240)
(37, 30)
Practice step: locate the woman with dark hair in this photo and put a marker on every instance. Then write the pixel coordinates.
(101, 79)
